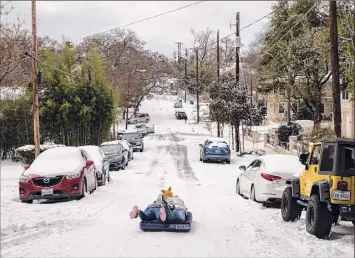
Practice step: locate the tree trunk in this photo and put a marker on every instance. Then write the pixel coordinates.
(237, 137)
(288, 106)
(218, 129)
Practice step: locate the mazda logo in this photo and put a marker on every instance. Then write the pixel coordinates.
(46, 180)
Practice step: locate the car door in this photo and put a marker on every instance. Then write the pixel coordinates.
(243, 178)
(89, 171)
(312, 172)
(254, 172)
(202, 149)
(105, 162)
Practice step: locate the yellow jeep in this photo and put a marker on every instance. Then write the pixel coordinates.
(325, 189)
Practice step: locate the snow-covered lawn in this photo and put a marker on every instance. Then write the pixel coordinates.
(224, 224)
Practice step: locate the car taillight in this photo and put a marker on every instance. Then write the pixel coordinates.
(24, 179)
(342, 185)
(73, 176)
(269, 177)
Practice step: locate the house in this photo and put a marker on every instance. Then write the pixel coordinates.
(347, 115)
(276, 105)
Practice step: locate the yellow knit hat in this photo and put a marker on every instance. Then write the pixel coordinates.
(167, 193)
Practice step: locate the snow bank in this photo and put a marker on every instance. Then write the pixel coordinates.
(282, 163)
(57, 161)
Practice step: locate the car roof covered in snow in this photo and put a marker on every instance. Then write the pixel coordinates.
(218, 144)
(282, 163)
(216, 139)
(57, 161)
(110, 143)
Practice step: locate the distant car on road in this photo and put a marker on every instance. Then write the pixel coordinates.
(264, 179)
(145, 129)
(58, 173)
(101, 163)
(180, 114)
(118, 156)
(215, 149)
(178, 104)
(135, 138)
(139, 118)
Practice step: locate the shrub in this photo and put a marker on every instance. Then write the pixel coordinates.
(285, 131)
(27, 153)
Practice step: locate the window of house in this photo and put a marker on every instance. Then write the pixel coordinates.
(344, 94)
(322, 108)
(281, 109)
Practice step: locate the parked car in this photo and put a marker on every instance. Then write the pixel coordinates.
(178, 104)
(118, 156)
(215, 149)
(145, 129)
(180, 114)
(101, 163)
(139, 118)
(264, 179)
(128, 147)
(57, 173)
(135, 138)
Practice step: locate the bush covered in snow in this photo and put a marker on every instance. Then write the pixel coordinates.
(27, 153)
(285, 131)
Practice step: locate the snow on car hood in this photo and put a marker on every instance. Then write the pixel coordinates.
(57, 161)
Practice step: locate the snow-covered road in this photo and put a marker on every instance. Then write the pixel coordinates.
(225, 225)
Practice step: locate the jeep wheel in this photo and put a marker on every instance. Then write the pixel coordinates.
(290, 209)
(319, 219)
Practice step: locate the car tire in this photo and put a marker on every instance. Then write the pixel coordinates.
(84, 189)
(319, 219)
(96, 186)
(27, 201)
(204, 161)
(252, 193)
(104, 179)
(108, 177)
(290, 209)
(141, 150)
(237, 188)
(228, 161)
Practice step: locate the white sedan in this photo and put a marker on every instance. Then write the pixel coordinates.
(265, 178)
(100, 161)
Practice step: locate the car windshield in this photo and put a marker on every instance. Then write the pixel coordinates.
(130, 136)
(109, 148)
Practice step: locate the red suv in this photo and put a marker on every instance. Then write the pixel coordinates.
(63, 172)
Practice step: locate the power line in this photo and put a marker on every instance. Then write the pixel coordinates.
(142, 20)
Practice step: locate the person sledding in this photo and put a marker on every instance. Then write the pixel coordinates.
(166, 208)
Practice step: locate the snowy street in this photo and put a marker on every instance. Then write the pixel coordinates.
(224, 224)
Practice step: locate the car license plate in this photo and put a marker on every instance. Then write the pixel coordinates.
(341, 195)
(218, 151)
(47, 191)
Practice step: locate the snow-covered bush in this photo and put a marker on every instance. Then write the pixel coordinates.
(285, 131)
(27, 153)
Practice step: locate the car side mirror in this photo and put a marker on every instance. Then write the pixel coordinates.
(27, 166)
(200, 145)
(89, 162)
(303, 158)
(243, 168)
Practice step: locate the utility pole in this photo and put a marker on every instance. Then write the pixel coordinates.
(185, 72)
(35, 82)
(218, 123)
(128, 100)
(179, 44)
(251, 91)
(237, 46)
(197, 88)
(335, 66)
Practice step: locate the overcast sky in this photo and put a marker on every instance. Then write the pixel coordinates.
(77, 19)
